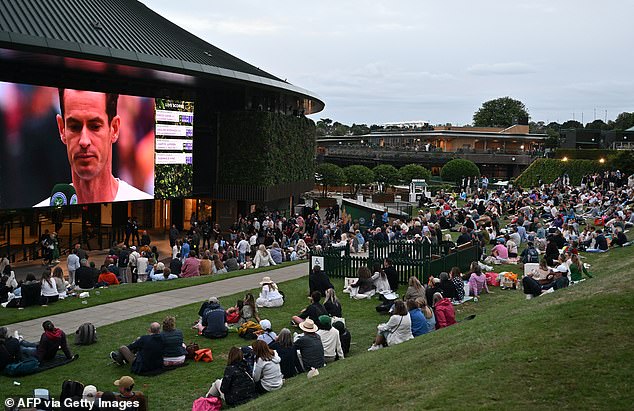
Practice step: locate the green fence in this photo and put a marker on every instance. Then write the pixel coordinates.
(409, 259)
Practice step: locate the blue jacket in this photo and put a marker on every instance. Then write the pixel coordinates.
(419, 323)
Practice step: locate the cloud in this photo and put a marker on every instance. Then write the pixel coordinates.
(501, 69)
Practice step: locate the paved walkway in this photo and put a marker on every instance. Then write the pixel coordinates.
(105, 314)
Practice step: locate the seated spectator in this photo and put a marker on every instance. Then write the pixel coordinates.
(329, 339)
(60, 283)
(85, 277)
(379, 278)
(397, 330)
(30, 291)
(10, 351)
(48, 289)
(52, 340)
(364, 286)
(530, 254)
(266, 334)
(344, 336)
(163, 276)
(283, 345)
(318, 281)
(214, 319)
(205, 265)
(428, 313)
(415, 289)
(443, 311)
(236, 386)
(620, 239)
(231, 264)
(433, 287)
(456, 279)
(127, 393)
(107, 278)
(191, 266)
(263, 258)
(332, 304)
(313, 311)
(269, 294)
(173, 344)
(145, 353)
(276, 253)
(248, 311)
(419, 324)
(218, 266)
(267, 372)
(477, 283)
(176, 264)
(577, 269)
(311, 351)
(500, 252)
(447, 287)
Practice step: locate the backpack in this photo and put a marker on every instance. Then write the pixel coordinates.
(532, 256)
(86, 334)
(248, 329)
(26, 367)
(71, 389)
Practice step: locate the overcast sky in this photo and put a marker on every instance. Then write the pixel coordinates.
(375, 62)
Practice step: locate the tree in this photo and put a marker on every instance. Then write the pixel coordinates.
(622, 160)
(386, 174)
(357, 176)
(324, 127)
(414, 171)
(553, 138)
(624, 121)
(328, 174)
(597, 124)
(501, 112)
(359, 129)
(339, 129)
(571, 124)
(456, 169)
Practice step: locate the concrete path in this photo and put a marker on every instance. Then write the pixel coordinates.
(135, 307)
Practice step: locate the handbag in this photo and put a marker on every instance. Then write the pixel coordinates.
(191, 349)
(204, 355)
(233, 317)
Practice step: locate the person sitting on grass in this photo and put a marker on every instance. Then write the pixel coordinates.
(419, 323)
(52, 340)
(164, 275)
(267, 372)
(127, 393)
(270, 296)
(477, 284)
(319, 281)
(248, 311)
(313, 311)
(344, 336)
(500, 253)
(332, 304)
(443, 311)
(214, 320)
(456, 279)
(577, 269)
(428, 313)
(107, 278)
(397, 330)
(145, 353)
(311, 350)
(380, 280)
(85, 277)
(415, 289)
(173, 345)
(48, 289)
(263, 257)
(60, 283)
(364, 286)
(10, 350)
(620, 239)
(330, 339)
(236, 386)
(283, 345)
(266, 334)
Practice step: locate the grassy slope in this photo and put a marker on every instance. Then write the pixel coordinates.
(122, 292)
(570, 349)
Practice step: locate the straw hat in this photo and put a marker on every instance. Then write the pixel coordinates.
(308, 326)
(266, 280)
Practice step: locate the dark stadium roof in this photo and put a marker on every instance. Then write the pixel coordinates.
(121, 31)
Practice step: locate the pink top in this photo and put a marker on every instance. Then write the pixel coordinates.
(477, 283)
(503, 252)
(191, 267)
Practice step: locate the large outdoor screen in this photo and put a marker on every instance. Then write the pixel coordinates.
(66, 146)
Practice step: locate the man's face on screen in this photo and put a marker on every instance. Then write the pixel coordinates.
(87, 133)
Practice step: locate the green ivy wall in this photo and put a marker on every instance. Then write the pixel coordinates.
(265, 149)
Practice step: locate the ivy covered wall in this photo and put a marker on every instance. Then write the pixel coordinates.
(265, 149)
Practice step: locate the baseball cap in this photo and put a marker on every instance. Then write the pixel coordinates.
(124, 382)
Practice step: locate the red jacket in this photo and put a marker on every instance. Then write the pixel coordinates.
(444, 312)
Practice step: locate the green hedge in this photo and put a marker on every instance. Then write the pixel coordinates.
(262, 148)
(583, 154)
(549, 169)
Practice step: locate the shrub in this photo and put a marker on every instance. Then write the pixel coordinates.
(458, 168)
(386, 174)
(414, 171)
(549, 169)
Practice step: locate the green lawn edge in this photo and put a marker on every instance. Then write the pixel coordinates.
(123, 292)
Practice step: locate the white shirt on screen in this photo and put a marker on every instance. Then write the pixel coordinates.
(126, 192)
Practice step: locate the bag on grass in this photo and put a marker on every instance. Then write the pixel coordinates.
(86, 334)
(492, 279)
(233, 317)
(248, 329)
(207, 404)
(26, 367)
(191, 349)
(204, 355)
